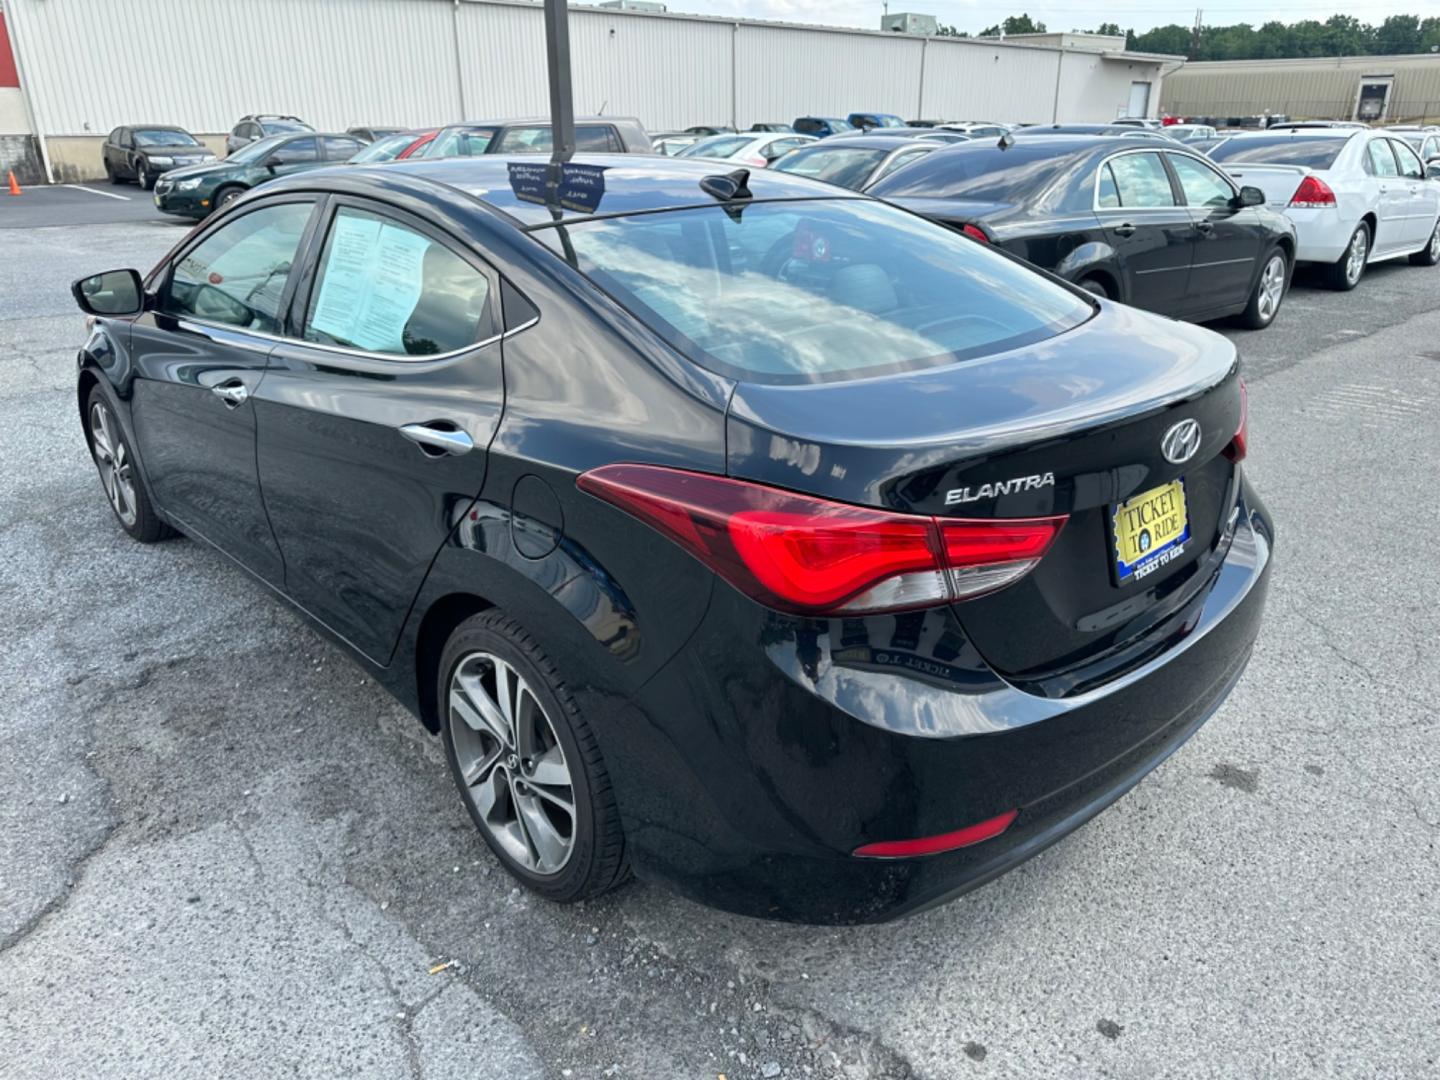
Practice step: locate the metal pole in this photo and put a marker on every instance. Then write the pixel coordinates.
(459, 68)
(562, 99)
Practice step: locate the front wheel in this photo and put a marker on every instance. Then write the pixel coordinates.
(1269, 292)
(1095, 287)
(225, 196)
(1431, 254)
(527, 763)
(116, 463)
(1347, 271)
(143, 177)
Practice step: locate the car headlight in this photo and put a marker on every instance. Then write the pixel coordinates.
(188, 185)
(162, 161)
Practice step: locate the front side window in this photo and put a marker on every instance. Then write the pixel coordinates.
(236, 275)
(339, 148)
(386, 288)
(1202, 185)
(1409, 164)
(298, 151)
(1382, 161)
(815, 290)
(1141, 182)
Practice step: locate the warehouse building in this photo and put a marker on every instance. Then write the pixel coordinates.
(1388, 89)
(87, 66)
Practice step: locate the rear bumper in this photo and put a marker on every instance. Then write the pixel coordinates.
(1321, 236)
(754, 772)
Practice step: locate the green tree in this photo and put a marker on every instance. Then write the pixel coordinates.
(1398, 34)
(1110, 29)
(1015, 24)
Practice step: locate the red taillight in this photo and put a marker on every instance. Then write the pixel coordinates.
(756, 160)
(811, 556)
(1313, 193)
(933, 845)
(975, 233)
(1239, 447)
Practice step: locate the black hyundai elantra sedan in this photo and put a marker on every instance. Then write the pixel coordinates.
(1149, 222)
(755, 536)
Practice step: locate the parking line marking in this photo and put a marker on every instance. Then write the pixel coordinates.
(92, 191)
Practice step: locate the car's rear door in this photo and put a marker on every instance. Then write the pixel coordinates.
(200, 353)
(376, 414)
(1228, 237)
(1393, 207)
(1151, 232)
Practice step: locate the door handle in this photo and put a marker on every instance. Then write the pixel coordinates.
(1205, 228)
(1125, 229)
(435, 440)
(233, 392)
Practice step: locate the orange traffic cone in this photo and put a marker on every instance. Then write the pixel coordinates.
(14, 187)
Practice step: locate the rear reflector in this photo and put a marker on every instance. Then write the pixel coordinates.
(811, 556)
(934, 845)
(1312, 194)
(1239, 445)
(975, 233)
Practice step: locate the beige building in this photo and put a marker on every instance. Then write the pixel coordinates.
(1391, 89)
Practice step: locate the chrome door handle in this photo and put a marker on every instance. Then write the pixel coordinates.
(233, 392)
(431, 438)
(1125, 230)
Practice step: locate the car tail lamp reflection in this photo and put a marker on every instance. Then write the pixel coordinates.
(1239, 445)
(934, 845)
(1312, 194)
(811, 556)
(975, 233)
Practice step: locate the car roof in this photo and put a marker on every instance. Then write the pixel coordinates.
(1299, 133)
(634, 184)
(878, 139)
(514, 121)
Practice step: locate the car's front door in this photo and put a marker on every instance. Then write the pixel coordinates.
(1151, 233)
(294, 155)
(200, 354)
(1228, 237)
(375, 419)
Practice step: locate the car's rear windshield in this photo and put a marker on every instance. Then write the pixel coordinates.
(815, 290)
(387, 148)
(981, 174)
(461, 142)
(164, 137)
(717, 146)
(1314, 152)
(284, 125)
(848, 166)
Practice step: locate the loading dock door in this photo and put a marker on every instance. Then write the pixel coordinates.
(1139, 99)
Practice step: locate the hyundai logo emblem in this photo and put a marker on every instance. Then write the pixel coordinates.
(1180, 442)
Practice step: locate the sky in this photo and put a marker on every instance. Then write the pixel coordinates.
(976, 15)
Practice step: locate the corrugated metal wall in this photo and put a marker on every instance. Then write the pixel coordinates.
(94, 64)
(1302, 88)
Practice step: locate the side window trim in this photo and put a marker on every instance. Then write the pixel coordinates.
(314, 246)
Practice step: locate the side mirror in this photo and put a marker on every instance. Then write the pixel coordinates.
(272, 161)
(115, 292)
(1251, 196)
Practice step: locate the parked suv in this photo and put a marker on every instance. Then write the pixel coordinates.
(143, 152)
(258, 126)
(593, 135)
(199, 190)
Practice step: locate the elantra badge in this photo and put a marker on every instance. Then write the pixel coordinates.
(1180, 442)
(958, 496)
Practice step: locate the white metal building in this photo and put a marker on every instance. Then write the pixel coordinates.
(87, 66)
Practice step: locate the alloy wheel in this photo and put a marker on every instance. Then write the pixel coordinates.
(512, 763)
(1272, 287)
(142, 177)
(1359, 249)
(113, 461)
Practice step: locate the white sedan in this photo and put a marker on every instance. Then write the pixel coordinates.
(1356, 196)
(747, 147)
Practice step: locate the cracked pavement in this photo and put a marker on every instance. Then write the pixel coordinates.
(224, 852)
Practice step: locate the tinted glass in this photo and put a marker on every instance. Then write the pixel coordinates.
(385, 288)
(1107, 196)
(386, 149)
(1409, 162)
(594, 138)
(258, 150)
(983, 174)
(277, 127)
(816, 290)
(847, 166)
(235, 275)
(461, 142)
(809, 127)
(338, 148)
(1382, 161)
(1141, 181)
(163, 137)
(717, 146)
(1202, 185)
(1312, 152)
(901, 159)
(298, 151)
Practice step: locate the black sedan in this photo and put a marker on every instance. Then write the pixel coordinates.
(854, 161)
(756, 536)
(142, 152)
(1156, 225)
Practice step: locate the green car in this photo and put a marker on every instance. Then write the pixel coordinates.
(201, 189)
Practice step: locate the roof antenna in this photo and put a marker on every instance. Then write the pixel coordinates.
(728, 186)
(1006, 141)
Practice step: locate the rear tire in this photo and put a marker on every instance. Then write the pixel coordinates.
(110, 173)
(115, 459)
(1269, 292)
(521, 752)
(1345, 273)
(1095, 287)
(1431, 255)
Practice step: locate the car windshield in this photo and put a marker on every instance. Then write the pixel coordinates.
(461, 142)
(848, 166)
(273, 126)
(815, 290)
(386, 149)
(978, 173)
(258, 150)
(1314, 152)
(717, 146)
(164, 137)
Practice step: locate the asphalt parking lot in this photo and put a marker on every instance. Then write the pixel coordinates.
(224, 852)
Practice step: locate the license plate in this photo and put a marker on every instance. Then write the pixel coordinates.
(1150, 531)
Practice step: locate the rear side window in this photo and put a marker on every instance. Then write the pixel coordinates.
(386, 288)
(815, 290)
(1312, 152)
(1382, 161)
(1141, 181)
(340, 149)
(236, 275)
